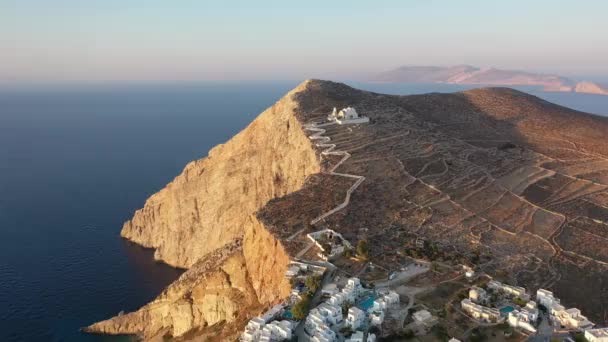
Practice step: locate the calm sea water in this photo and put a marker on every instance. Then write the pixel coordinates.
(76, 161)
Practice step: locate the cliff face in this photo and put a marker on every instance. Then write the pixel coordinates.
(210, 203)
(243, 277)
(205, 220)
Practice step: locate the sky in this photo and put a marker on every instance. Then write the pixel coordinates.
(42, 40)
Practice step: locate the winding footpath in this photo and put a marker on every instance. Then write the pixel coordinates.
(330, 150)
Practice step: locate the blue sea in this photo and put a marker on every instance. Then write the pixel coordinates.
(76, 160)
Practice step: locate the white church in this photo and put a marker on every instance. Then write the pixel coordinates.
(347, 115)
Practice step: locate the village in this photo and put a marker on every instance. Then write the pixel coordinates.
(425, 293)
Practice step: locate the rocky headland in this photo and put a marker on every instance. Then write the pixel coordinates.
(492, 172)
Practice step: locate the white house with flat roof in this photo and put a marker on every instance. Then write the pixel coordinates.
(546, 298)
(478, 295)
(324, 334)
(352, 290)
(482, 313)
(379, 304)
(518, 319)
(530, 310)
(357, 336)
(330, 289)
(424, 318)
(332, 314)
(253, 330)
(376, 317)
(570, 318)
(337, 299)
(515, 291)
(597, 335)
(391, 298)
(277, 331)
(355, 318)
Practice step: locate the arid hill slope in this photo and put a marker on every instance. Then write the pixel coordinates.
(490, 171)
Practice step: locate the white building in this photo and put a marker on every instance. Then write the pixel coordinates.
(391, 298)
(277, 331)
(479, 312)
(329, 289)
(331, 314)
(454, 340)
(546, 298)
(570, 318)
(478, 295)
(315, 321)
(355, 318)
(530, 310)
(379, 305)
(597, 335)
(518, 319)
(324, 334)
(468, 271)
(424, 318)
(356, 337)
(337, 299)
(347, 115)
(376, 317)
(253, 330)
(515, 291)
(352, 290)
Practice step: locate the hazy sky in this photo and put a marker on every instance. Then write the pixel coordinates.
(230, 39)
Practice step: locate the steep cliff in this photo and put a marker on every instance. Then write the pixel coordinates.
(208, 205)
(226, 286)
(205, 220)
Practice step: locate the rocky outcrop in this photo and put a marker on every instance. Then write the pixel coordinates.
(208, 205)
(205, 220)
(226, 286)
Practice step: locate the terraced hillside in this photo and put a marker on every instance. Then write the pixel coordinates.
(491, 172)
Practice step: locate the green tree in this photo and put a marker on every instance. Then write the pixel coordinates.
(300, 309)
(477, 335)
(580, 337)
(348, 253)
(362, 249)
(434, 266)
(520, 301)
(312, 284)
(441, 332)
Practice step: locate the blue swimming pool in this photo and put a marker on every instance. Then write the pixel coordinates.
(367, 302)
(506, 309)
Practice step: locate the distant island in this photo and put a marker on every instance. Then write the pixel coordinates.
(467, 74)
